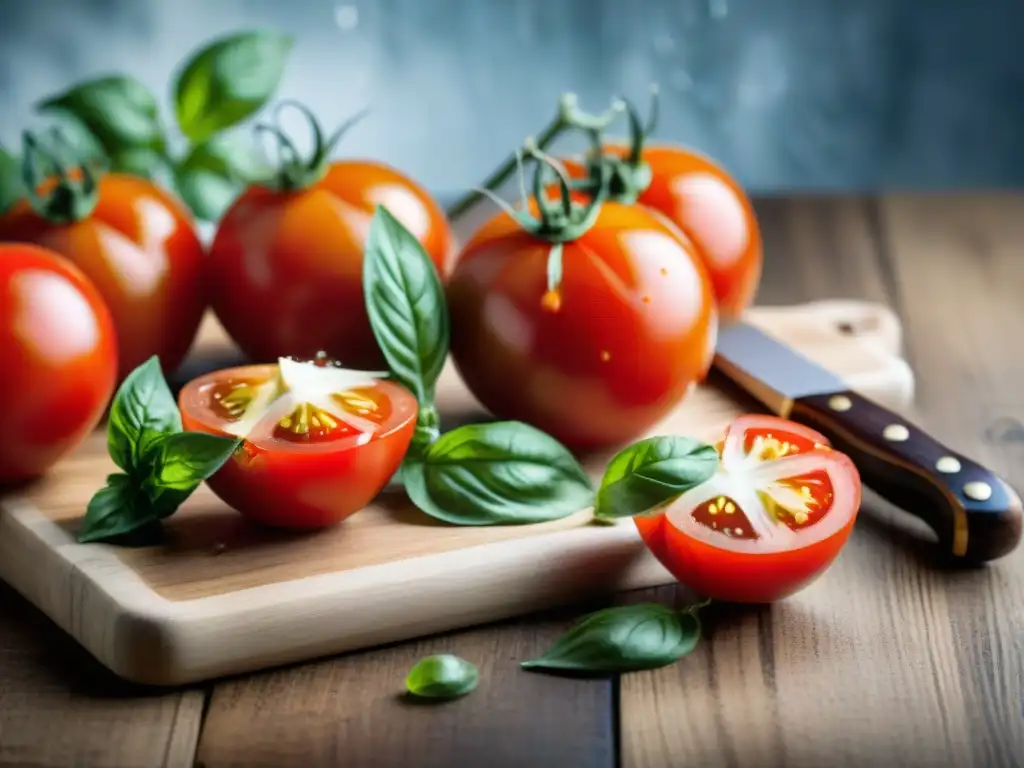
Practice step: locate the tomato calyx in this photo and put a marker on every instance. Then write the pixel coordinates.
(294, 172)
(74, 192)
(559, 220)
(628, 176)
(305, 401)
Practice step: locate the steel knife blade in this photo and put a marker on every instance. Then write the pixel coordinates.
(976, 514)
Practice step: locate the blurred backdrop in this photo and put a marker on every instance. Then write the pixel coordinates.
(789, 94)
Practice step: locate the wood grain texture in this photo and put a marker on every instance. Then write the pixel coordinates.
(889, 657)
(59, 707)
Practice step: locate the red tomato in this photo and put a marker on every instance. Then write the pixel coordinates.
(631, 330)
(287, 266)
(58, 359)
(712, 209)
(768, 523)
(139, 248)
(313, 454)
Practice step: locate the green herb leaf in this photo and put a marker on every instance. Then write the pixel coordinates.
(228, 80)
(215, 172)
(502, 473)
(142, 403)
(11, 186)
(118, 110)
(406, 305)
(623, 639)
(113, 511)
(651, 473)
(442, 676)
(139, 161)
(182, 460)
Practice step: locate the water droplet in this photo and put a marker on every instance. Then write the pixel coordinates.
(346, 17)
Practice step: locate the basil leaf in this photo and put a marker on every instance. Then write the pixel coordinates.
(143, 402)
(405, 302)
(442, 676)
(227, 81)
(215, 172)
(11, 186)
(118, 110)
(651, 473)
(623, 639)
(113, 511)
(139, 161)
(182, 460)
(503, 472)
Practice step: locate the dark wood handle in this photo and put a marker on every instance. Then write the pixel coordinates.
(976, 514)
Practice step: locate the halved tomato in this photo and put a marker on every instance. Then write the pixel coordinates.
(320, 441)
(772, 519)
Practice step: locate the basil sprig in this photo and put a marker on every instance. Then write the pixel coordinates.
(623, 639)
(442, 676)
(651, 473)
(503, 473)
(160, 464)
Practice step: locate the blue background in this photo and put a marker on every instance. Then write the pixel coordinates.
(792, 95)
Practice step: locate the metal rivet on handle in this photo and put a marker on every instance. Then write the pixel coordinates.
(840, 403)
(978, 490)
(948, 465)
(896, 433)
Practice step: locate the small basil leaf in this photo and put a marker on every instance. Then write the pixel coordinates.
(442, 676)
(11, 186)
(227, 81)
(405, 302)
(182, 460)
(113, 511)
(118, 110)
(651, 473)
(503, 472)
(623, 639)
(143, 402)
(215, 172)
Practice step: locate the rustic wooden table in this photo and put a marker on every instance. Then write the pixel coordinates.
(889, 659)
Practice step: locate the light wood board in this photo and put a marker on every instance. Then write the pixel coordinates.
(221, 597)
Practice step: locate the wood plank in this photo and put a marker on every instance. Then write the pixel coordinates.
(351, 710)
(959, 270)
(59, 707)
(863, 664)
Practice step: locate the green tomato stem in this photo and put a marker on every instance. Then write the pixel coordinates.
(569, 116)
(70, 199)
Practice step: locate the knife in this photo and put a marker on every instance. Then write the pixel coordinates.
(975, 513)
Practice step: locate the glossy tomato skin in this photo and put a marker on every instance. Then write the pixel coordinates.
(701, 198)
(58, 359)
(635, 329)
(286, 267)
(140, 250)
(277, 485)
(761, 577)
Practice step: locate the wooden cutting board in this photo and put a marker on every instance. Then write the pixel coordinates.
(221, 597)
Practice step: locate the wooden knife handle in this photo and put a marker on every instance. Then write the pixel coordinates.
(976, 514)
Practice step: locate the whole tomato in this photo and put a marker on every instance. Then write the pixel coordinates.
(137, 245)
(58, 357)
(590, 323)
(286, 261)
(699, 197)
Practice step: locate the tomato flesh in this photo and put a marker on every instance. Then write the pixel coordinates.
(772, 519)
(58, 359)
(304, 463)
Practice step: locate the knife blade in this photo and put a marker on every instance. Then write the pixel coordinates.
(976, 514)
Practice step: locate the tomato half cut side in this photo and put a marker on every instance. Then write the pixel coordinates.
(771, 519)
(320, 441)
